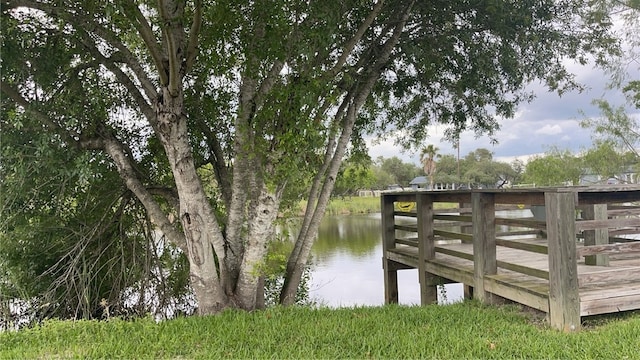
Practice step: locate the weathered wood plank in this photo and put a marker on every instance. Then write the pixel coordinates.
(399, 256)
(407, 241)
(609, 224)
(406, 227)
(484, 242)
(610, 305)
(597, 236)
(426, 248)
(457, 273)
(410, 214)
(609, 196)
(505, 287)
(526, 270)
(456, 253)
(564, 301)
(454, 235)
(519, 233)
(624, 231)
(622, 248)
(459, 218)
(522, 197)
(609, 276)
(528, 223)
(623, 211)
(609, 291)
(388, 242)
(513, 244)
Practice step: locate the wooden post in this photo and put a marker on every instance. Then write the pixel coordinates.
(564, 297)
(597, 236)
(467, 291)
(426, 249)
(484, 242)
(390, 267)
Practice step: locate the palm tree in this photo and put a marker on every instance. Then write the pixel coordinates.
(429, 164)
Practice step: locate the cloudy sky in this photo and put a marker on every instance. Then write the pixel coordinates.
(550, 120)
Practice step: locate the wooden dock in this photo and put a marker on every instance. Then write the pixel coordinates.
(582, 259)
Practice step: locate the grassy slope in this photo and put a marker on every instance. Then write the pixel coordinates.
(359, 205)
(466, 330)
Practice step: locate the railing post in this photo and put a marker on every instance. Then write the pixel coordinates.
(597, 236)
(426, 249)
(484, 242)
(390, 267)
(564, 297)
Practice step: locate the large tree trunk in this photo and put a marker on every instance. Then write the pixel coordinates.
(200, 227)
(262, 215)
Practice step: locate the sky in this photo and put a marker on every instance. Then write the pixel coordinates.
(549, 120)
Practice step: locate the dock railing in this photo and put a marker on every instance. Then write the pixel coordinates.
(538, 259)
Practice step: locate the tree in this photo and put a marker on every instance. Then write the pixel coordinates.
(353, 176)
(556, 168)
(427, 158)
(608, 161)
(214, 115)
(479, 169)
(447, 170)
(617, 124)
(402, 173)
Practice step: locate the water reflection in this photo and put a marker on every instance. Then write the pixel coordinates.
(347, 265)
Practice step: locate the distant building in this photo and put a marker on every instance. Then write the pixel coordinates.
(422, 182)
(419, 182)
(627, 176)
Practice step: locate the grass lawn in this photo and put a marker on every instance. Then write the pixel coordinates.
(463, 330)
(360, 205)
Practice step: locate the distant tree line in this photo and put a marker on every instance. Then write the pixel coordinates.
(478, 169)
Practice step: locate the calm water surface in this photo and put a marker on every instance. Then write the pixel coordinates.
(347, 266)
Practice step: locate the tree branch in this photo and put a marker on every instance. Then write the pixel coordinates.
(192, 47)
(217, 159)
(146, 33)
(172, 49)
(351, 44)
(114, 148)
(124, 79)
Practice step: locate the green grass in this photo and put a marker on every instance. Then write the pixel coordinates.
(353, 205)
(464, 330)
(360, 205)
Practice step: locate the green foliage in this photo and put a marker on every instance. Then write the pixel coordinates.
(604, 160)
(74, 241)
(400, 172)
(556, 168)
(274, 268)
(463, 330)
(477, 169)
(616, 126)
(354, 175)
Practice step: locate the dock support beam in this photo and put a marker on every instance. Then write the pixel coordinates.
(390, 268)
(597, 236)
(426, 249)
(484, 243)
(564, 298)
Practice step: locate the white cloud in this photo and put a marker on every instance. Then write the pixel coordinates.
(548, 121)
(549, 130)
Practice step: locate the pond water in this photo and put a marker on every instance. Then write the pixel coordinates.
(347, 266)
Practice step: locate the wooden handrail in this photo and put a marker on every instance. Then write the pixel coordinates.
(630, 247)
